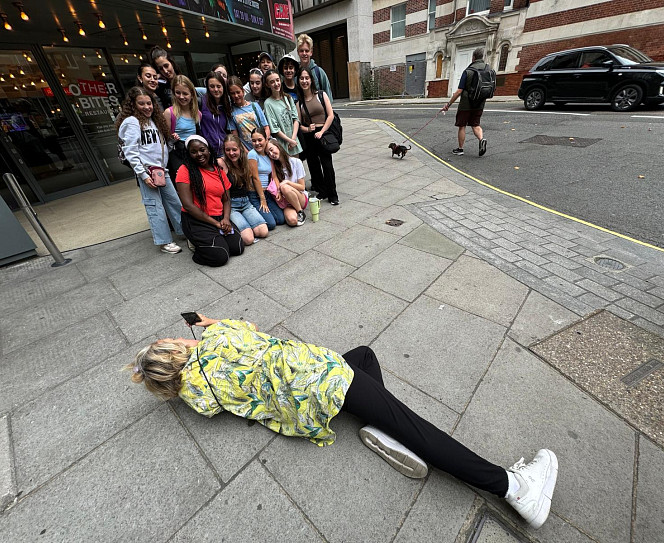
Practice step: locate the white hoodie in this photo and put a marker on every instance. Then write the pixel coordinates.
(142, 146)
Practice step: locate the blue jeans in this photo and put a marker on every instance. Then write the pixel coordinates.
(244, 215)
(159, 202)
(275, 215)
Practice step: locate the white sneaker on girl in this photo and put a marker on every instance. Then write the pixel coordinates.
(394, 453)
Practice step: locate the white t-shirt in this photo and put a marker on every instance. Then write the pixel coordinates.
(298, 170)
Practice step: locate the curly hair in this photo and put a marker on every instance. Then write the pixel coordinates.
(224, 101)
(240, 172)
(158, 366)
(129, 109)
(282, 165)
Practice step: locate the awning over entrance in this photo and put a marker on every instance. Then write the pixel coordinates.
(193, 25)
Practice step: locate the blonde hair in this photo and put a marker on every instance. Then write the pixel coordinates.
(184, 81)
(158, 366)
(304, 38)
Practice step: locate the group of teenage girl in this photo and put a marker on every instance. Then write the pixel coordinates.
(229, 153)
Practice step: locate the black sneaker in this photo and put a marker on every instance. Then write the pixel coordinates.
(482, 146)
(457, 151)
(334, 202)
(301, 217)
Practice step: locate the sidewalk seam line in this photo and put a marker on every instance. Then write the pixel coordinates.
(635, 483)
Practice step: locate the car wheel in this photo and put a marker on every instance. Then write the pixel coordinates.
(627, 98)
(559, 104)
(534, 99)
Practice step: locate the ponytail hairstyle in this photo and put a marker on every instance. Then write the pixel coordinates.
(240, 172)
(224, 102)
(158, 366)
(184, 81)
(282, 165)
(158, 52)
(194, 170)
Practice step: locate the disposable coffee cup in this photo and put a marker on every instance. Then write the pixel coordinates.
(314, 207)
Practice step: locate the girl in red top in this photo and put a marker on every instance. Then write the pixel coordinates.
(206, 209)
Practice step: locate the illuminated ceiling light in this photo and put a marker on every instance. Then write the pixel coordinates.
(3, 17)
(27, 57)
(21, 11)
(126, 60)
(62, 76)
(98, 54)
(23, 85)
(207, 34)
(101, 22)
(163, 29)
(15, 87)
(168, 44)
(186, 38)
(33, 83)
(41, 80)
(83, 55)
(64, 36)
(103, 74)
(125, 41)
(2, 77)
(11, 75)
(21, 71)
(143, 35)
(81, 32)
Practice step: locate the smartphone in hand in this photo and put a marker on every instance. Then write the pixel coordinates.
(191, 317)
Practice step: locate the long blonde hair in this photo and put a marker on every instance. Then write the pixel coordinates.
(184, 81)
(158, 366)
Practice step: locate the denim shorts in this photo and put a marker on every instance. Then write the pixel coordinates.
(244, 215)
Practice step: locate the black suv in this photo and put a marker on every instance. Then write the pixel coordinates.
(618, 74)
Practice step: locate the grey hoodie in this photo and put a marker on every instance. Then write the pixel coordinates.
(142, 146)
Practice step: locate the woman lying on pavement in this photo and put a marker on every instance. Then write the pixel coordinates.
(296, 389)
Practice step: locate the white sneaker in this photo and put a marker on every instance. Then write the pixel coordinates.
(394, 453)
(191, 246)
(171, 248)
(537, 480)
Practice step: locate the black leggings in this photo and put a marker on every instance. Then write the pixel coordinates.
(369, 400)
(323, 177)
(212, 248)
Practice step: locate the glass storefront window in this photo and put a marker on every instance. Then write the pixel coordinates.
(203, 62)
(95, 96)
(37, 127)
(126, 65)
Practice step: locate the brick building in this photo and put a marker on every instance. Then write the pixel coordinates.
(420, 47)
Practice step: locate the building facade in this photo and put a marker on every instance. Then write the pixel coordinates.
(421, 47)
(64, 72)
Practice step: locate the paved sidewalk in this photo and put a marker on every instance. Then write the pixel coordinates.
(456, 300)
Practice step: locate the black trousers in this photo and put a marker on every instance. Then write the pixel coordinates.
(212, 248)
(323, 178)
(369, 400)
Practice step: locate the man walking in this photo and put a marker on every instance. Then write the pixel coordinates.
(469, 113)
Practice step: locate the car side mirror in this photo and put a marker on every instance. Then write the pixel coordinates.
(607, 64)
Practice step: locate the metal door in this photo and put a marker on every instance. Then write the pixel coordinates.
(416, 71)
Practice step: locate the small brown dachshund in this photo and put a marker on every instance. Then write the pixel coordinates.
(399, 149)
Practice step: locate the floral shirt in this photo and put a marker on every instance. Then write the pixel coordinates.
(289, 387)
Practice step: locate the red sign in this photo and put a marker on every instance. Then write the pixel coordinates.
(282, 19)
(48, 92)
(92, 88)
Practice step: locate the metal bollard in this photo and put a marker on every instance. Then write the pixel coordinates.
(29, 212)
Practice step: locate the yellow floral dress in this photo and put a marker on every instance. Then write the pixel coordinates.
(290, 387)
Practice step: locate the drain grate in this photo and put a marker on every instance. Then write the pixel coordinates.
(563, 141)
(609, 263)
(394, 222)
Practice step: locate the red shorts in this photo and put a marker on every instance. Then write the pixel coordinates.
(468, 117)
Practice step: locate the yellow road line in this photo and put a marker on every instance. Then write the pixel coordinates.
(517, 197)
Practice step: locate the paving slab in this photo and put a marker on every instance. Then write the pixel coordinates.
(142, 315)
(52, 432)
(383, 196)
(349, 212)
(362, 498)
(57, 314)
(354, 185)
(493, 531)
(393, 271)
(602, 350)
(315, 270)
(439, 349)
(649, 522)
(34, 267)
(22, 294)
(428, 240)
(228, 441)
(248, 304)
(539, 318)
(282, 332)
(256, 261)
(445, 186)
(151, 466)
(439, 512)
(412, 180)
(305, 237)
(348, 315)
(381, 172)
(252, 508)
(7, 474)
(379, 221)
(357, 245)
(557, 530)
(27, 373)
(481, 289)
(595, 448)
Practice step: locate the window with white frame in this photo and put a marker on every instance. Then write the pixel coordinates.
(478, 6)
(432, 15)
(398, 21)
(508, 3)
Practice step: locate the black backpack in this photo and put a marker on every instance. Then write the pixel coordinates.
(482, 86)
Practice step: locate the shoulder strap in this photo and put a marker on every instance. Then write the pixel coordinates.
(258, 117)
(174, 121)
(317, 70)
(306, 110)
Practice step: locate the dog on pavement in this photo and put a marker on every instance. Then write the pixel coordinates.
(399, 149)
